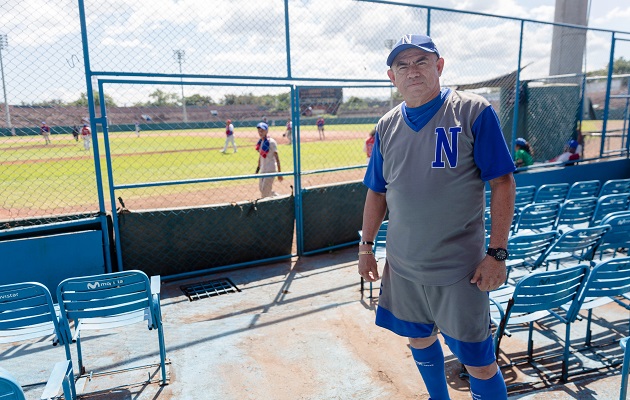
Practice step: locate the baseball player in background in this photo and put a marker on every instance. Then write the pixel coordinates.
(268, 158)
(289, 131)
(137, 126)
(86, 134)
(320, 128)
(432, 156)
(369, 144)
(44, 130)
(229, 136)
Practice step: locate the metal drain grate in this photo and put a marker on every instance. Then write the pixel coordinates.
(216, 287)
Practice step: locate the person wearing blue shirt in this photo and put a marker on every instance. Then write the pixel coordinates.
(432, 157)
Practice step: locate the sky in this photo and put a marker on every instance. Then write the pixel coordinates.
(333, 39)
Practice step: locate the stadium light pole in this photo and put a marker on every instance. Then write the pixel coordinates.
(180, 56)
(389, 43)
(4, 43)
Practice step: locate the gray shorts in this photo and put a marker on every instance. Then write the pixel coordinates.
(461, 312)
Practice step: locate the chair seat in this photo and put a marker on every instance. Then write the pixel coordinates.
(27, 333)
(115, 321)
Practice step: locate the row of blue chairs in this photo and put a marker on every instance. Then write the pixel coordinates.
(563, 191)
(96, 302)
(559, 294)
(586, 211)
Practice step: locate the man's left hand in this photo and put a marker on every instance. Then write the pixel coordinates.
(490, 274)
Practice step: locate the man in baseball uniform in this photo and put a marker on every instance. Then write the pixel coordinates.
(268, 159)
(432, 157)
(229, 136)
(320, 128)
(289, 131)
(86, 134)
(44, 130)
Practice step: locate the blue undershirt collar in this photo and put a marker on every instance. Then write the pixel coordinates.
(418, 117)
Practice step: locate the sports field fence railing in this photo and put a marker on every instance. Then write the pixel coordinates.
(156, 83)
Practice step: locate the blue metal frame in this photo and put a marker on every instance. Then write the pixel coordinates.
(611, 61)
(93, 121)
(121, 77)
(517, 89)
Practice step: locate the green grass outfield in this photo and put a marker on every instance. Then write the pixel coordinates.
(35, 176)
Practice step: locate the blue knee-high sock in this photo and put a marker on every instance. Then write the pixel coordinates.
(490, 389)
(430, 363)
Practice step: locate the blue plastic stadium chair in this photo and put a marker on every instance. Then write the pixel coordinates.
(615, 186)
(379, 249)
(608, 282)
(27, 313)
(62, 377)
(106, 301)
(524, 196)
(576, 213)
(608, 204)
(584, 189)
(537, 296)
(551, 192)
(537, 217)
(526, 252)
(574, 246)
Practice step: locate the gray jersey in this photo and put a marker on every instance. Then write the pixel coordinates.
(435, 194)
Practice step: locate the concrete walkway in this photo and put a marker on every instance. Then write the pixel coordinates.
(299, 329)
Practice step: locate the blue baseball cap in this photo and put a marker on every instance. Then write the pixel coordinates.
(262, 126)
(573, 144)
(521, 142)
(421, 42)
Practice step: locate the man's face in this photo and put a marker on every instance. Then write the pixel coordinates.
(262, 133)
(416, 74)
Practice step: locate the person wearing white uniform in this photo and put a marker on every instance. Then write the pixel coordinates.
(268, 159)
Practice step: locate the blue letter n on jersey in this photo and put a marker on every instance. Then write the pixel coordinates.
(445, 147)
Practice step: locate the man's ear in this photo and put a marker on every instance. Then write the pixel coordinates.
(391, 76)
(440, 66)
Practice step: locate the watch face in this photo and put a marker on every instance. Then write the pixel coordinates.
(501, 254)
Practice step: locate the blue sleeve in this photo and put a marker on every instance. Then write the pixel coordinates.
(374, 174)
(491, 153)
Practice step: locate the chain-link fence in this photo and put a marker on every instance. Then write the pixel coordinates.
(157, 83)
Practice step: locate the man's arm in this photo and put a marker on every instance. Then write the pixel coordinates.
(490, 273)
(373, 214)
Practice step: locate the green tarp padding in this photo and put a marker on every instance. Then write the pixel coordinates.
(168, 242)
(332, 214)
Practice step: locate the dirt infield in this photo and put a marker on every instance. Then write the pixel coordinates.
(202, 194)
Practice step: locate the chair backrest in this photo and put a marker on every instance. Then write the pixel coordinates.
(577, 211)
(551, 192)
(538, 217)
(608, 204)
(578, 244)
(584, 189)
(10, 389)
(615, 186)
(27, 312)
(380, 243)
(619, 234)
(93, 298)
(548, 290)
(524, 196)
(607, 279)
(530, 246)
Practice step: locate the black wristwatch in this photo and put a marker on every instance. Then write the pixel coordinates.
(499, 254)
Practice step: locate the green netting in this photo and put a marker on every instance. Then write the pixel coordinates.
(169, 242)
(332, 215)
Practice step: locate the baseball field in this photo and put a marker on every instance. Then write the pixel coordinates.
(40, 179)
